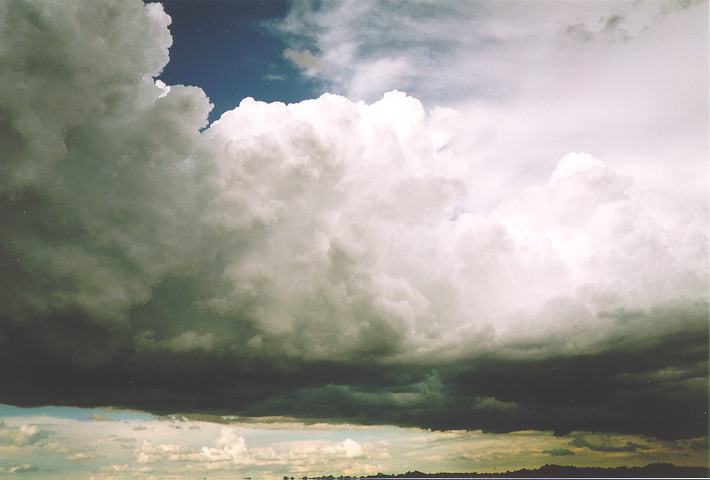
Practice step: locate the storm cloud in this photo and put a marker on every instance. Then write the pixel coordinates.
(318, 260)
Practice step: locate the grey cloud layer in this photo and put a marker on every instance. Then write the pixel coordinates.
(317, 259)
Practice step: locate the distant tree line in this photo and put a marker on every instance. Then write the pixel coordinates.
(652, 470)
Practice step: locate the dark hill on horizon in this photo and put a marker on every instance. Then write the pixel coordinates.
(652, 470)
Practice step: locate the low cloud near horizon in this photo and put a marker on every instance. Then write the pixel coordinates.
(50, 445)
(322, 260)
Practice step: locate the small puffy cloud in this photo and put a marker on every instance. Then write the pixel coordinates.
(23, 435)
(601, 443)
(303, 59)
(352, 448)
(228, 447)
(347, 448)
(101, 418)
(24, 468)
(117, 467)
(274, 77)
(83, 456)
(148, 452)
(559, 452)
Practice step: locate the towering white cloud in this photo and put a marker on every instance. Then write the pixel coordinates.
(355, 233)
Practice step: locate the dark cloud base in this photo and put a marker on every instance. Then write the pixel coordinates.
(658, 388)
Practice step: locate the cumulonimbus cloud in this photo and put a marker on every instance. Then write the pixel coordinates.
(318, 259)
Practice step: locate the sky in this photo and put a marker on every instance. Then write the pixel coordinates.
(307, 238)
(228, 49)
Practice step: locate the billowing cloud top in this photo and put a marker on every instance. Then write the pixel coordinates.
(319, 259)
